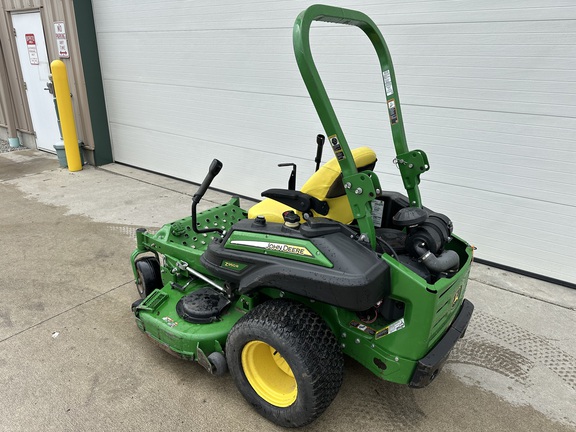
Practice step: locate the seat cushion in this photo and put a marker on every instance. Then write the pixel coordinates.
(326, 185)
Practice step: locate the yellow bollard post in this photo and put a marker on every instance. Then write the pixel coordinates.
(64, 102)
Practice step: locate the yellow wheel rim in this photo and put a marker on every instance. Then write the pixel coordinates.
(269, 374)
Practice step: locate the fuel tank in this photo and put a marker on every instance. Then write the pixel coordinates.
(321, 259)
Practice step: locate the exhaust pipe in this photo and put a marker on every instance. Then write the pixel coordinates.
(447, 261)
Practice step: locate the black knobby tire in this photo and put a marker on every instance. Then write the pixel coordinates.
(149, 277)
(299, 336)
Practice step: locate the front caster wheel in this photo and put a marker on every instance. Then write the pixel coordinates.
(285, 361)
(149, 278)
(218, 363)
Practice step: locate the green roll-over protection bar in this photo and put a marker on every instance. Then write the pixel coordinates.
(361, 188)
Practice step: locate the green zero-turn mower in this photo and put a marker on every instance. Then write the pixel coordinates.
(342, 267)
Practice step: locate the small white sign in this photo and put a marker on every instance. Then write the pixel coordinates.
(377, 211)
(388, 82)
(61, 41)
(32, 49)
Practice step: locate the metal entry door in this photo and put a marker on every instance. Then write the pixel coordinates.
(35, 68)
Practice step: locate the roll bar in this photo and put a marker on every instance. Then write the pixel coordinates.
(411, 163)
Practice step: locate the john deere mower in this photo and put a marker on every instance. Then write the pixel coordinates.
(279, 294)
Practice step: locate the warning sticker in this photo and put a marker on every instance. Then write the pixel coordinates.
(338, 152)
(392, 111)
(395, 326)
(388, 83)
(377, 212)
(170, 321)
(363, 327)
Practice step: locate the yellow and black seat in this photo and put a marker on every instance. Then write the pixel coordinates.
(323, 194)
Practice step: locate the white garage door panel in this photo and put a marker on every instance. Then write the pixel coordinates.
(542, 53)
(548, 91)
(508, 175)
(440, 12)
(193, 15)
(513, 93)
(218, 58)
(541, 136)
(488, 91)
(514, 215)
(442, 141)
(272, 125)
(241, 169)
(201, 60)
(545, 34)
(215, 115)
(158, 15)
(520, 63)
(209, 62)
(545, 76)
(487, 100)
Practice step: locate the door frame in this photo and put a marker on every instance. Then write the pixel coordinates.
(30, 128)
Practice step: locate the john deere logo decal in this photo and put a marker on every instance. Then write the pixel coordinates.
(278, 247)
(286, 248)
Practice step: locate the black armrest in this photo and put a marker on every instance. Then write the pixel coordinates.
(297, 200)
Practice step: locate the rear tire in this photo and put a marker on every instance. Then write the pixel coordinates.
(149, 276)
(285, 361)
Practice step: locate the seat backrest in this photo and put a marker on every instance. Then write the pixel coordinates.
(327, 181)
(326, 185)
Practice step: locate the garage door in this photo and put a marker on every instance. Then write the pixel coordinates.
(488, 91)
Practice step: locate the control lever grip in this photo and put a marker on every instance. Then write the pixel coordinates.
(213, 171)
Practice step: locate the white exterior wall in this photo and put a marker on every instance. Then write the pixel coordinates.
(488, 90)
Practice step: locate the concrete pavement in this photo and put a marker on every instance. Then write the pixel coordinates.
(72, 359)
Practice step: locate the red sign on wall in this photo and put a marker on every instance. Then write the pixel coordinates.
(32, 50)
